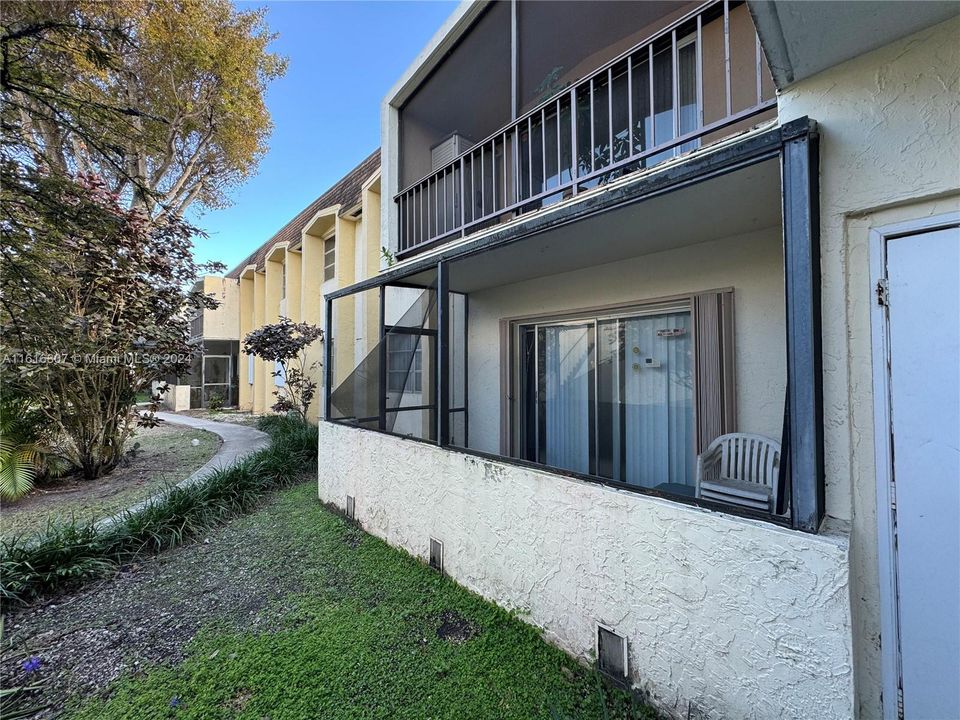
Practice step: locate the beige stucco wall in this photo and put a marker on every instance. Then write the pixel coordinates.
(890, 123)
(259, 295)
(222, 323)
(725, 617)
(751, 264)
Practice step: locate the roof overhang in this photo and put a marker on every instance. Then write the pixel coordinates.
(803, 38)
(278, 249)
(322, 222)
(248, 271)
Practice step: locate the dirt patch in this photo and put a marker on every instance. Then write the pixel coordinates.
(237, 417)
(454, 628)
(165, 455)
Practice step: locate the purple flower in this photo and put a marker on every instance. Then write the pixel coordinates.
(175, 702)
(31, 665)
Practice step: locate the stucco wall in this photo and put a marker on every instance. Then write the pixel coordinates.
(725, 617)
(752, 264)
(223, 322)
(889, 123)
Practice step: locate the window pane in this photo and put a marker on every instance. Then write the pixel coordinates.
(658, 402)
(565, 378)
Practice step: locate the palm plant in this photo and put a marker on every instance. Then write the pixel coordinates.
(19, 460)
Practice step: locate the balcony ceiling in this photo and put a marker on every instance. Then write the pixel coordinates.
(734, 204)
(802, 38)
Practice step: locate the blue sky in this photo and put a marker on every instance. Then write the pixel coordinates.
(343, 57)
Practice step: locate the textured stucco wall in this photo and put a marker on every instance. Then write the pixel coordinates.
(223, 322)
(751, 264)
(890, 123)
(726, 617)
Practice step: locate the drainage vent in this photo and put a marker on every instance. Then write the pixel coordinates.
(611, 653)
(436, 555)
(351, 507)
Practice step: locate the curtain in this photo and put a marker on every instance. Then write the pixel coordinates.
(567, 412)
(658, 398)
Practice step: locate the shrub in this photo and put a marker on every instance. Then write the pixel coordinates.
(68, 553)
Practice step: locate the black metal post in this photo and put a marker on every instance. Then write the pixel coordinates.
(327, 356)
(443, 354)
(800, 160)
(382, 347)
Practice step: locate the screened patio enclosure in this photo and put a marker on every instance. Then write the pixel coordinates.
(612, 347)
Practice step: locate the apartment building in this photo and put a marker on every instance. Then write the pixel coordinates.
(649, 368)
(332, 243)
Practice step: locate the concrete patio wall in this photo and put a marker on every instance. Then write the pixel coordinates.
(725, 617)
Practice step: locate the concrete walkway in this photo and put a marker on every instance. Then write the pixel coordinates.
(238, 442)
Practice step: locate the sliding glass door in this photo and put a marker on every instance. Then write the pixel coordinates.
(611, 396)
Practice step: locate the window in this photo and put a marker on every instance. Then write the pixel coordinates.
(404, 364)
(329, 259)
(283, 281)
(617, 396)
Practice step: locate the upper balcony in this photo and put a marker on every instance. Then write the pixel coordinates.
(597, 90)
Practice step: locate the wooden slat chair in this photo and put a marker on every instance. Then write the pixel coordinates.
(740, 469)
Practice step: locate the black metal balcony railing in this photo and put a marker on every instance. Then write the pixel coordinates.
(638, 110)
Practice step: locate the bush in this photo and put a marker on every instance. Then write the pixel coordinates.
(66, 554)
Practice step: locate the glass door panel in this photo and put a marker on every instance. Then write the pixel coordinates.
(657, 401)
(566, 397)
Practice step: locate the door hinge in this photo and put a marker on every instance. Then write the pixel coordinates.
(883, 293)
(893, 496)
(899, 703)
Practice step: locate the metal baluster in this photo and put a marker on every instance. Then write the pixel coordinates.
(493, 174)
(726, 54)
(652, 140)
(610, 111)
(543, 150)
(529, 157)
(592, 124)
(700, 70)
(559, 154)
(483, 184)
(506, 198)
(462, 203)
(574, 165)
(629, 105)
(675, 62)
(759, 70)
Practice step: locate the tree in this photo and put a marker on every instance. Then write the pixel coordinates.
(92, 307)
(163, 99)
(285, 343)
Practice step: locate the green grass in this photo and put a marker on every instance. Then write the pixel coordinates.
(75, 550)
(360, 640)
(165, 456)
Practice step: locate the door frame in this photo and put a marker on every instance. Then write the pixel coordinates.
(883, 449)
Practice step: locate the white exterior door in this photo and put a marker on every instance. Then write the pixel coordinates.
(923, 316)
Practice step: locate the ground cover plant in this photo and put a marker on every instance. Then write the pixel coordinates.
(293, 612)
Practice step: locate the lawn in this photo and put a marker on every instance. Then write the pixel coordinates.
(293, 612)
(165, 455)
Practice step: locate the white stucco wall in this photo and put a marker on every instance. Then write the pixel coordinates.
(889, 123)
(726, 617)
(751, 264)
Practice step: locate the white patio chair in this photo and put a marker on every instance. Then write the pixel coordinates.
(740, 469)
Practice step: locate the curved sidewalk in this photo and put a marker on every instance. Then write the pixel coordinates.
(238, 442)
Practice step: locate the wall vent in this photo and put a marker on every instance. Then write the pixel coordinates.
(436, 555)
(612, 653)
(351, 510)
